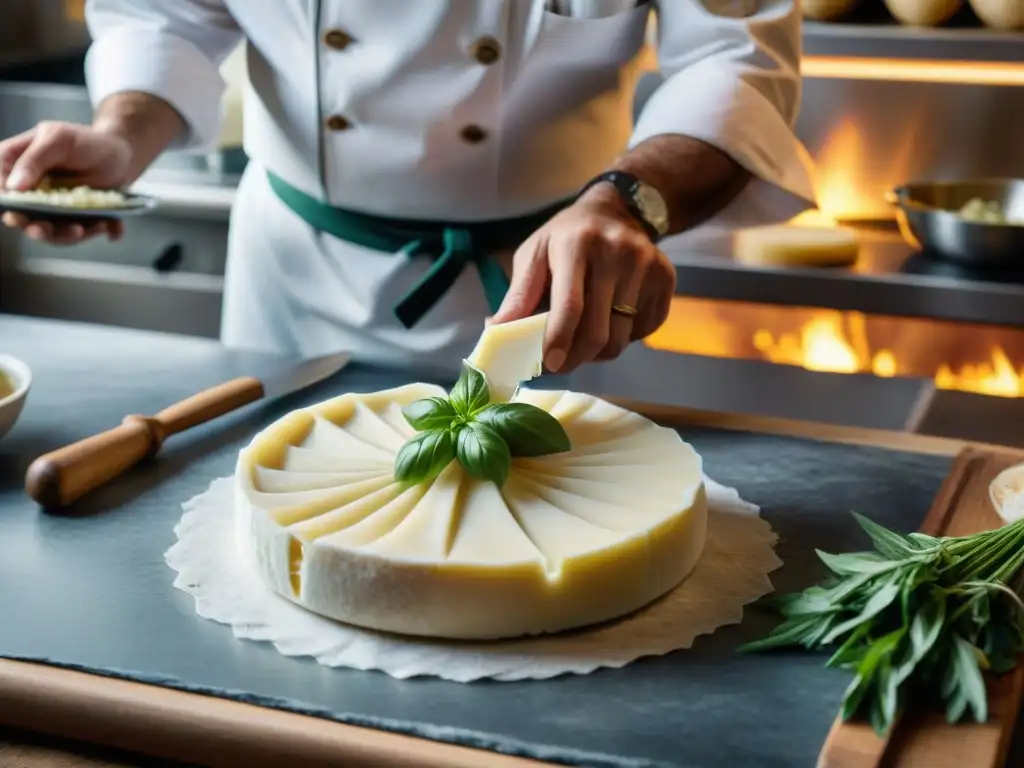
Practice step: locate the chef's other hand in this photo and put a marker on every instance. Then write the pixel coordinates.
(594, 255)
(82, 156)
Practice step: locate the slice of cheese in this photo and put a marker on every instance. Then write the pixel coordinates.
(788, 245)
(570, 540)
(510, 354)
(1007, 493)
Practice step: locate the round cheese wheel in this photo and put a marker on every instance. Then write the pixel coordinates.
(569, 540)
(827, 10)
(1000, 14)
(1007, 493)
(787, 245)
(923, 13)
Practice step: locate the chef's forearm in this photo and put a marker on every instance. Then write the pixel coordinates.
(696, 179)
(148, 123)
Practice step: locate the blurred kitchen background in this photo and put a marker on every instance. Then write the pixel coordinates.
(894, 90)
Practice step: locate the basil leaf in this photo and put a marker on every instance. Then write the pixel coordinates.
(527, 429)
(429, 413)
(483, 453)
(424, 456)
(470, 392)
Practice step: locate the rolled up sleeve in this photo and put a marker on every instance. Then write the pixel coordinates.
(171, 49)
(731, 72)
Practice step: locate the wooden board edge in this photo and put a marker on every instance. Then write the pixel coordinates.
(204, 729)
(855, 745)
(681, 416)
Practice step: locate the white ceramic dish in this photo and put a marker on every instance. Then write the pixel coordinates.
(1007, 493)
(20, 376)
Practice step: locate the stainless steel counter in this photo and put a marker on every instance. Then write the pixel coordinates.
(889, 279)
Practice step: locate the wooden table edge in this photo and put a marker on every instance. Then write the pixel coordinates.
(197, 728)
(681, 417)
(194, 727)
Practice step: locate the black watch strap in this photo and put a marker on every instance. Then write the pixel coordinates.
(625, 184)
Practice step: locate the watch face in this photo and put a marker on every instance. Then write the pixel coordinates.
(652, 206)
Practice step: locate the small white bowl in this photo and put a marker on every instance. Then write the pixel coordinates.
(1007, 493)
(19, 375)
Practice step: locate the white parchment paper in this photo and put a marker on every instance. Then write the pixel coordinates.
(732, 572)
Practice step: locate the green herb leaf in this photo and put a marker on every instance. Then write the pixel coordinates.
(872, 668)
(856, 562)
(483, 453)
(527, 429)
(811, 600)
(878, 603)
(922, 616)
(470, 392)
(925, 630)
(790, 632)
(889, 543)
(853, 649)
(429, 413)
(969, 686)
(424, 456)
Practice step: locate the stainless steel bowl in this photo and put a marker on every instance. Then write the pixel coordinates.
(928, 215)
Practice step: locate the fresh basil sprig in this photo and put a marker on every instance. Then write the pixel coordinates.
(482, 436)
(920, 618)
(470, 393)
(424, 456)
(528, 430)
(481, 452)
(430, 413)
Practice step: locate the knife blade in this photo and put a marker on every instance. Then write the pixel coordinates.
(304, 374)
(61, 477)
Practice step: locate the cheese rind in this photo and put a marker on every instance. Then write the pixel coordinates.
(570, 540)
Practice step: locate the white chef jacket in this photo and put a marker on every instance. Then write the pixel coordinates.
(389, 107)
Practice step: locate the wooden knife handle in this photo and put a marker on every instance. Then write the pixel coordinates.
(62, 477)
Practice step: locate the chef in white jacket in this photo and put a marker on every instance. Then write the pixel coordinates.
(406, 156)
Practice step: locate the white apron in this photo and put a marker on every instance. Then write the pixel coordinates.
(291, 289)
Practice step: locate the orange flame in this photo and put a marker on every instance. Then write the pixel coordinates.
(829, 341)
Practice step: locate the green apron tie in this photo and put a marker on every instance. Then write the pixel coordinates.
(450, 245)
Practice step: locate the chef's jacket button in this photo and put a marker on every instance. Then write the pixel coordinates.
(486, 51)
(337, 39)
(473, 134)
(338, 123)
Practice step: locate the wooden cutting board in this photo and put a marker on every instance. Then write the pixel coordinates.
(962, 507)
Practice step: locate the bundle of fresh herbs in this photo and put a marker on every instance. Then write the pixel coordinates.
(482, 436)
(920, 618)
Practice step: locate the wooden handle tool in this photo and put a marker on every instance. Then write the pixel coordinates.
(59, 478)
(64, 476)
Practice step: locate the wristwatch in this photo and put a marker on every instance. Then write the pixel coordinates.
(643, 201)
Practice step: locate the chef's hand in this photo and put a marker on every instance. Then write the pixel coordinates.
(593, 255)
(79, 154)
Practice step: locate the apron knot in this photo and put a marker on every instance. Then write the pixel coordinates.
(450, 246)
(457, 250)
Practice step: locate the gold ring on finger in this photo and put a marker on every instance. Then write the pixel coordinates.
(624, 310)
